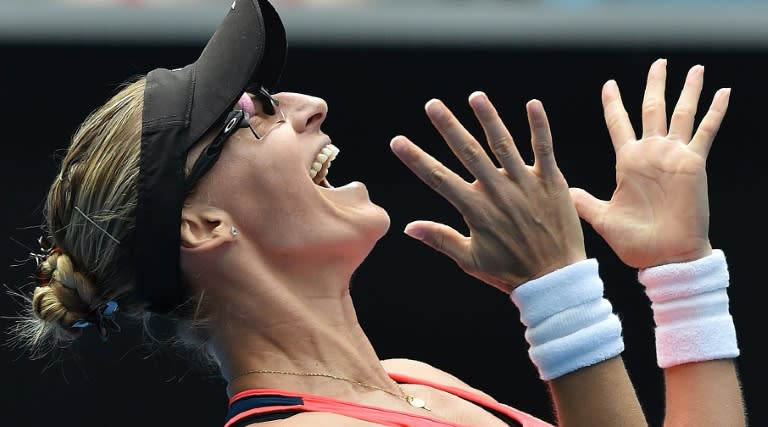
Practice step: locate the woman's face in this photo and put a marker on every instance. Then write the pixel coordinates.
(268, 188)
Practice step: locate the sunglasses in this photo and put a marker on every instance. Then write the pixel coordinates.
(237, 119)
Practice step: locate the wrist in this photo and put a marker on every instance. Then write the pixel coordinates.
(691, 310)
(569, 323)
(691, 256)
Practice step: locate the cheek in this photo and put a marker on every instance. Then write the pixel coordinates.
(273, 196)
(264, 171)
(270, 195)
(288, 224)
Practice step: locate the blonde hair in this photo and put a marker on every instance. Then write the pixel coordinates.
(90, 215)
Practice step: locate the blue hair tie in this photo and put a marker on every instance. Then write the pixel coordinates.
(103, 317)
(81, 324)
(109, 308)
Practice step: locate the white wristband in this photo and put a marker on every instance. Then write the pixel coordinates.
(569, 323)
(690, 308)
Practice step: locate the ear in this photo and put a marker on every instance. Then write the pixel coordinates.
(204, 228)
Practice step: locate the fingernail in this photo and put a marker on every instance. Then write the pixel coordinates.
(535, 106)
(477, 97)
(697, 69)
(397, 145)
(416, 233)
(435, 108)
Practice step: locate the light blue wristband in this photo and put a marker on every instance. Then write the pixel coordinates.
(569, 323)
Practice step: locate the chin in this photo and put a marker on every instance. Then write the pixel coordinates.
(374, 228)
(383, 223)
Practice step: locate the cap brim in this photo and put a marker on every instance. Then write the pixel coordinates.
(247, 50)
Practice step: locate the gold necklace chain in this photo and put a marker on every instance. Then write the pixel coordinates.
(412, 400)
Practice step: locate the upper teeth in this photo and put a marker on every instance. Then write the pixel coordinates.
(322, 163)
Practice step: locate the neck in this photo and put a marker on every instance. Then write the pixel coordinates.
(307, 334)
(283, 315)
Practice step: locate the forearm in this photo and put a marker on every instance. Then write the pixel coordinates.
(696, 342)
(597, 395)
(576, 344)
(704, 394)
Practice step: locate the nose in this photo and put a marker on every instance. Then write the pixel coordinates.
(304, 112)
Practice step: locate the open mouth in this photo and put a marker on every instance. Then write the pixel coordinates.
(319, 169)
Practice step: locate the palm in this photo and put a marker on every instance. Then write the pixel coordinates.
(659, 211)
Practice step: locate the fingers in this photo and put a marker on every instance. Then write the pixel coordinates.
(433, 173)
(541, 141)
(503, 145)
(589, 208)
(616, 117)
(710, 124)
(654, 106)
(462, 143)
(683, 117)
(441, 238)
(496, 133)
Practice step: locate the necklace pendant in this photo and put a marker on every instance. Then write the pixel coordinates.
(417, 403)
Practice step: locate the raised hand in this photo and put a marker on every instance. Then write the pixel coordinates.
(521, 220)
(659, 211)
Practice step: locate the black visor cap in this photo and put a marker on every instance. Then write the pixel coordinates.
(180, 106)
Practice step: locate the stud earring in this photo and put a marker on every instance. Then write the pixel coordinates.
(233, 231)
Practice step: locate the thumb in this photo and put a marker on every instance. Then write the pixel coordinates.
(589, 208)
(441, 238)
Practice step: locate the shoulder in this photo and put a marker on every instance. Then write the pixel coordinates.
(425, 371)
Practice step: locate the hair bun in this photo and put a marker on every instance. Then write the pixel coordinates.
(63, 295)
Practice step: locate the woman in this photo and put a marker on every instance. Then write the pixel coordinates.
(187, 195)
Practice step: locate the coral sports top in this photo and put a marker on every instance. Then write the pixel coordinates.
(261, 405)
